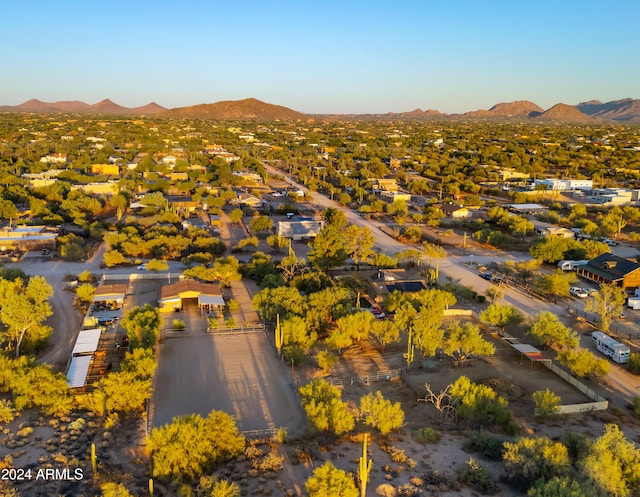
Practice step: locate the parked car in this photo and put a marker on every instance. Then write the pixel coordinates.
(590, 291)
(142, 267)
(486, 276)
(578, 292)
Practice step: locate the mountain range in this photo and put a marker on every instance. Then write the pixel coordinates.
(624, 111)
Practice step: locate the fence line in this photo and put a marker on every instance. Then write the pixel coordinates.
(360, 380)
(266, 432)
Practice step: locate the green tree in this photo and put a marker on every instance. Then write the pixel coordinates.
(85, 292)
(114, 258)
(607, 304)
(380, 413)
(520, 224)
(295, 331)
(235, 216)
(8, 211)
(358, 244)
(142, 325)
(461, 341)
(157, 265)
(501, 315)
(583, 363)
(478, 403)
(547, 331)
(190, 445)
(23, 310)
(39, 386)
(617, 219)
(336, 218)
(329, 481)
(613, 464)
(284, 300)
(261, 224)
(554, 248)
(494, 293)
(385, 332)
(325, 409)
(556, 284)
(327, 249)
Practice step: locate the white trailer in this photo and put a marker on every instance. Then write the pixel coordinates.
(633, 302)
(571, 265)
(611, 348)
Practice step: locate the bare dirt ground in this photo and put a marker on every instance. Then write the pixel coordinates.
(238, 373)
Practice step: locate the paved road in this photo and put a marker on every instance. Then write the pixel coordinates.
(623, 386)
(67, 319)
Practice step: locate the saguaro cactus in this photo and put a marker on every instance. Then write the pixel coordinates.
(94, 464)
(364, 468)
(411, 349)
(279, 335)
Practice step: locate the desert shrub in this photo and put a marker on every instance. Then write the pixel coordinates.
(252, 451)
(636, 407)
(270, 462)
(426, 435)
(484, 443)
(233, 305)
(531, 458)
(633, 364)
(397, 455)
(178, 325)
(7, 412)
(295, 352)
(111, 489)
(560, 487)
(477, 477)
(386, 490)
(546, 402)
(479, 403)
(576, 443)
(329, 481)
(281, 435)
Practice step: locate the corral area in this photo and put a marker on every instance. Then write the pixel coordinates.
(236, 372)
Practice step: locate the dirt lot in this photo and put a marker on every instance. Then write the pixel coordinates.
(238, 373)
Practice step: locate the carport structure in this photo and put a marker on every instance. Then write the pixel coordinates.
(207, 295)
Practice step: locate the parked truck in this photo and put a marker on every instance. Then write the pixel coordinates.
(571, 265)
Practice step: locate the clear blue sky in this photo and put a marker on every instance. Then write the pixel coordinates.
(328, 56)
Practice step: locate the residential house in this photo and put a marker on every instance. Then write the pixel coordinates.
(207, 296)
(299, 230)
(107, 169)
(385, 185)
(248, 200)
(612, 269)
(57, 158)
(454, 211)
(546, 229)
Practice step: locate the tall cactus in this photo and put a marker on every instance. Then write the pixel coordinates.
(94, 465)
(364, 468)
(411, 349)
(151, 487)
(279, 335)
